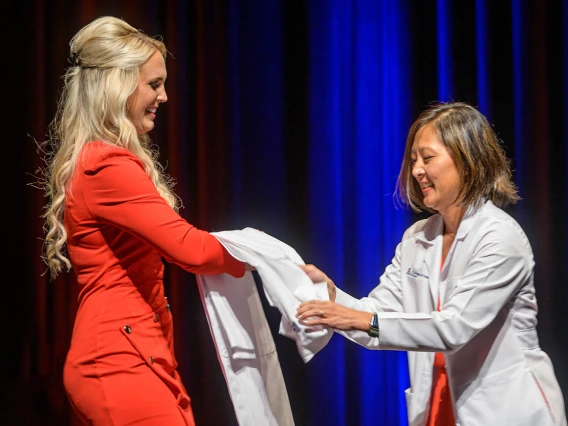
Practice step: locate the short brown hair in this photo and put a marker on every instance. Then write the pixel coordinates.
(476, 150)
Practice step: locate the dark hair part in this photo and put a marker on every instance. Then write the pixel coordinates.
(480, 159)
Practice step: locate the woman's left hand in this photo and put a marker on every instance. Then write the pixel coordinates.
(330, 314)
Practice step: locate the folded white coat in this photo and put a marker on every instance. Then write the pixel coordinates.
(241, 333)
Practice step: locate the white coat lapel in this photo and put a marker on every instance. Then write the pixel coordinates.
(431, 239)
(450, 266)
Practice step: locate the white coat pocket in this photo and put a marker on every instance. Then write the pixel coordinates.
(509, 397)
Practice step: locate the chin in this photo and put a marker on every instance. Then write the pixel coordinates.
(144, 130)
(430, 205)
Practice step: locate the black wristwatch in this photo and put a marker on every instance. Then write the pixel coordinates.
(374, 326)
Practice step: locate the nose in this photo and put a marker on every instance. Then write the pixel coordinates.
(162, 96)
(418, 169)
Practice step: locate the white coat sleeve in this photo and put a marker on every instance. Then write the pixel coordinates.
(500, 265)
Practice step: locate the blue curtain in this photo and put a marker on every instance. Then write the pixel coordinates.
(359, 114)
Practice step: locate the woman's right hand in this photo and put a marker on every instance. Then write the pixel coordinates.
(318, 276)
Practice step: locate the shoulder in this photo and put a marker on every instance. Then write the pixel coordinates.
(496, 227)
(97, 155)
(426, 229)
(492, 217)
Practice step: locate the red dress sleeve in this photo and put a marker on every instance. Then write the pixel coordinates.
(119, 192)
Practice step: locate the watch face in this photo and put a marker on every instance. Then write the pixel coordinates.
(374, 326)
(375, 321)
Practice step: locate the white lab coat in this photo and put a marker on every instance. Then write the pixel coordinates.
(242, 337)
(497, 373)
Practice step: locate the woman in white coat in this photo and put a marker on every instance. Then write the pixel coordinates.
(459, 293)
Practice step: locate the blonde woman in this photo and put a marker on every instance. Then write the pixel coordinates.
(113, 210)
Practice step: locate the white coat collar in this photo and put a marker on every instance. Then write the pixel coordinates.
(434, 226)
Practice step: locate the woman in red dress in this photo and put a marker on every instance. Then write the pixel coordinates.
(111, 206)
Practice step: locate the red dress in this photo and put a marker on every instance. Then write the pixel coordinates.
(121, 367)
(441, 409)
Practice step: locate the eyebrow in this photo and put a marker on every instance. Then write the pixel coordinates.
(412, 150)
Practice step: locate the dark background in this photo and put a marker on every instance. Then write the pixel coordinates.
(238, 134)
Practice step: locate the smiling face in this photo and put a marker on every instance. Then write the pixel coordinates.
(435, 170)
(149, 94)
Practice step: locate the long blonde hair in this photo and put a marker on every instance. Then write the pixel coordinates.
(106, 58)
